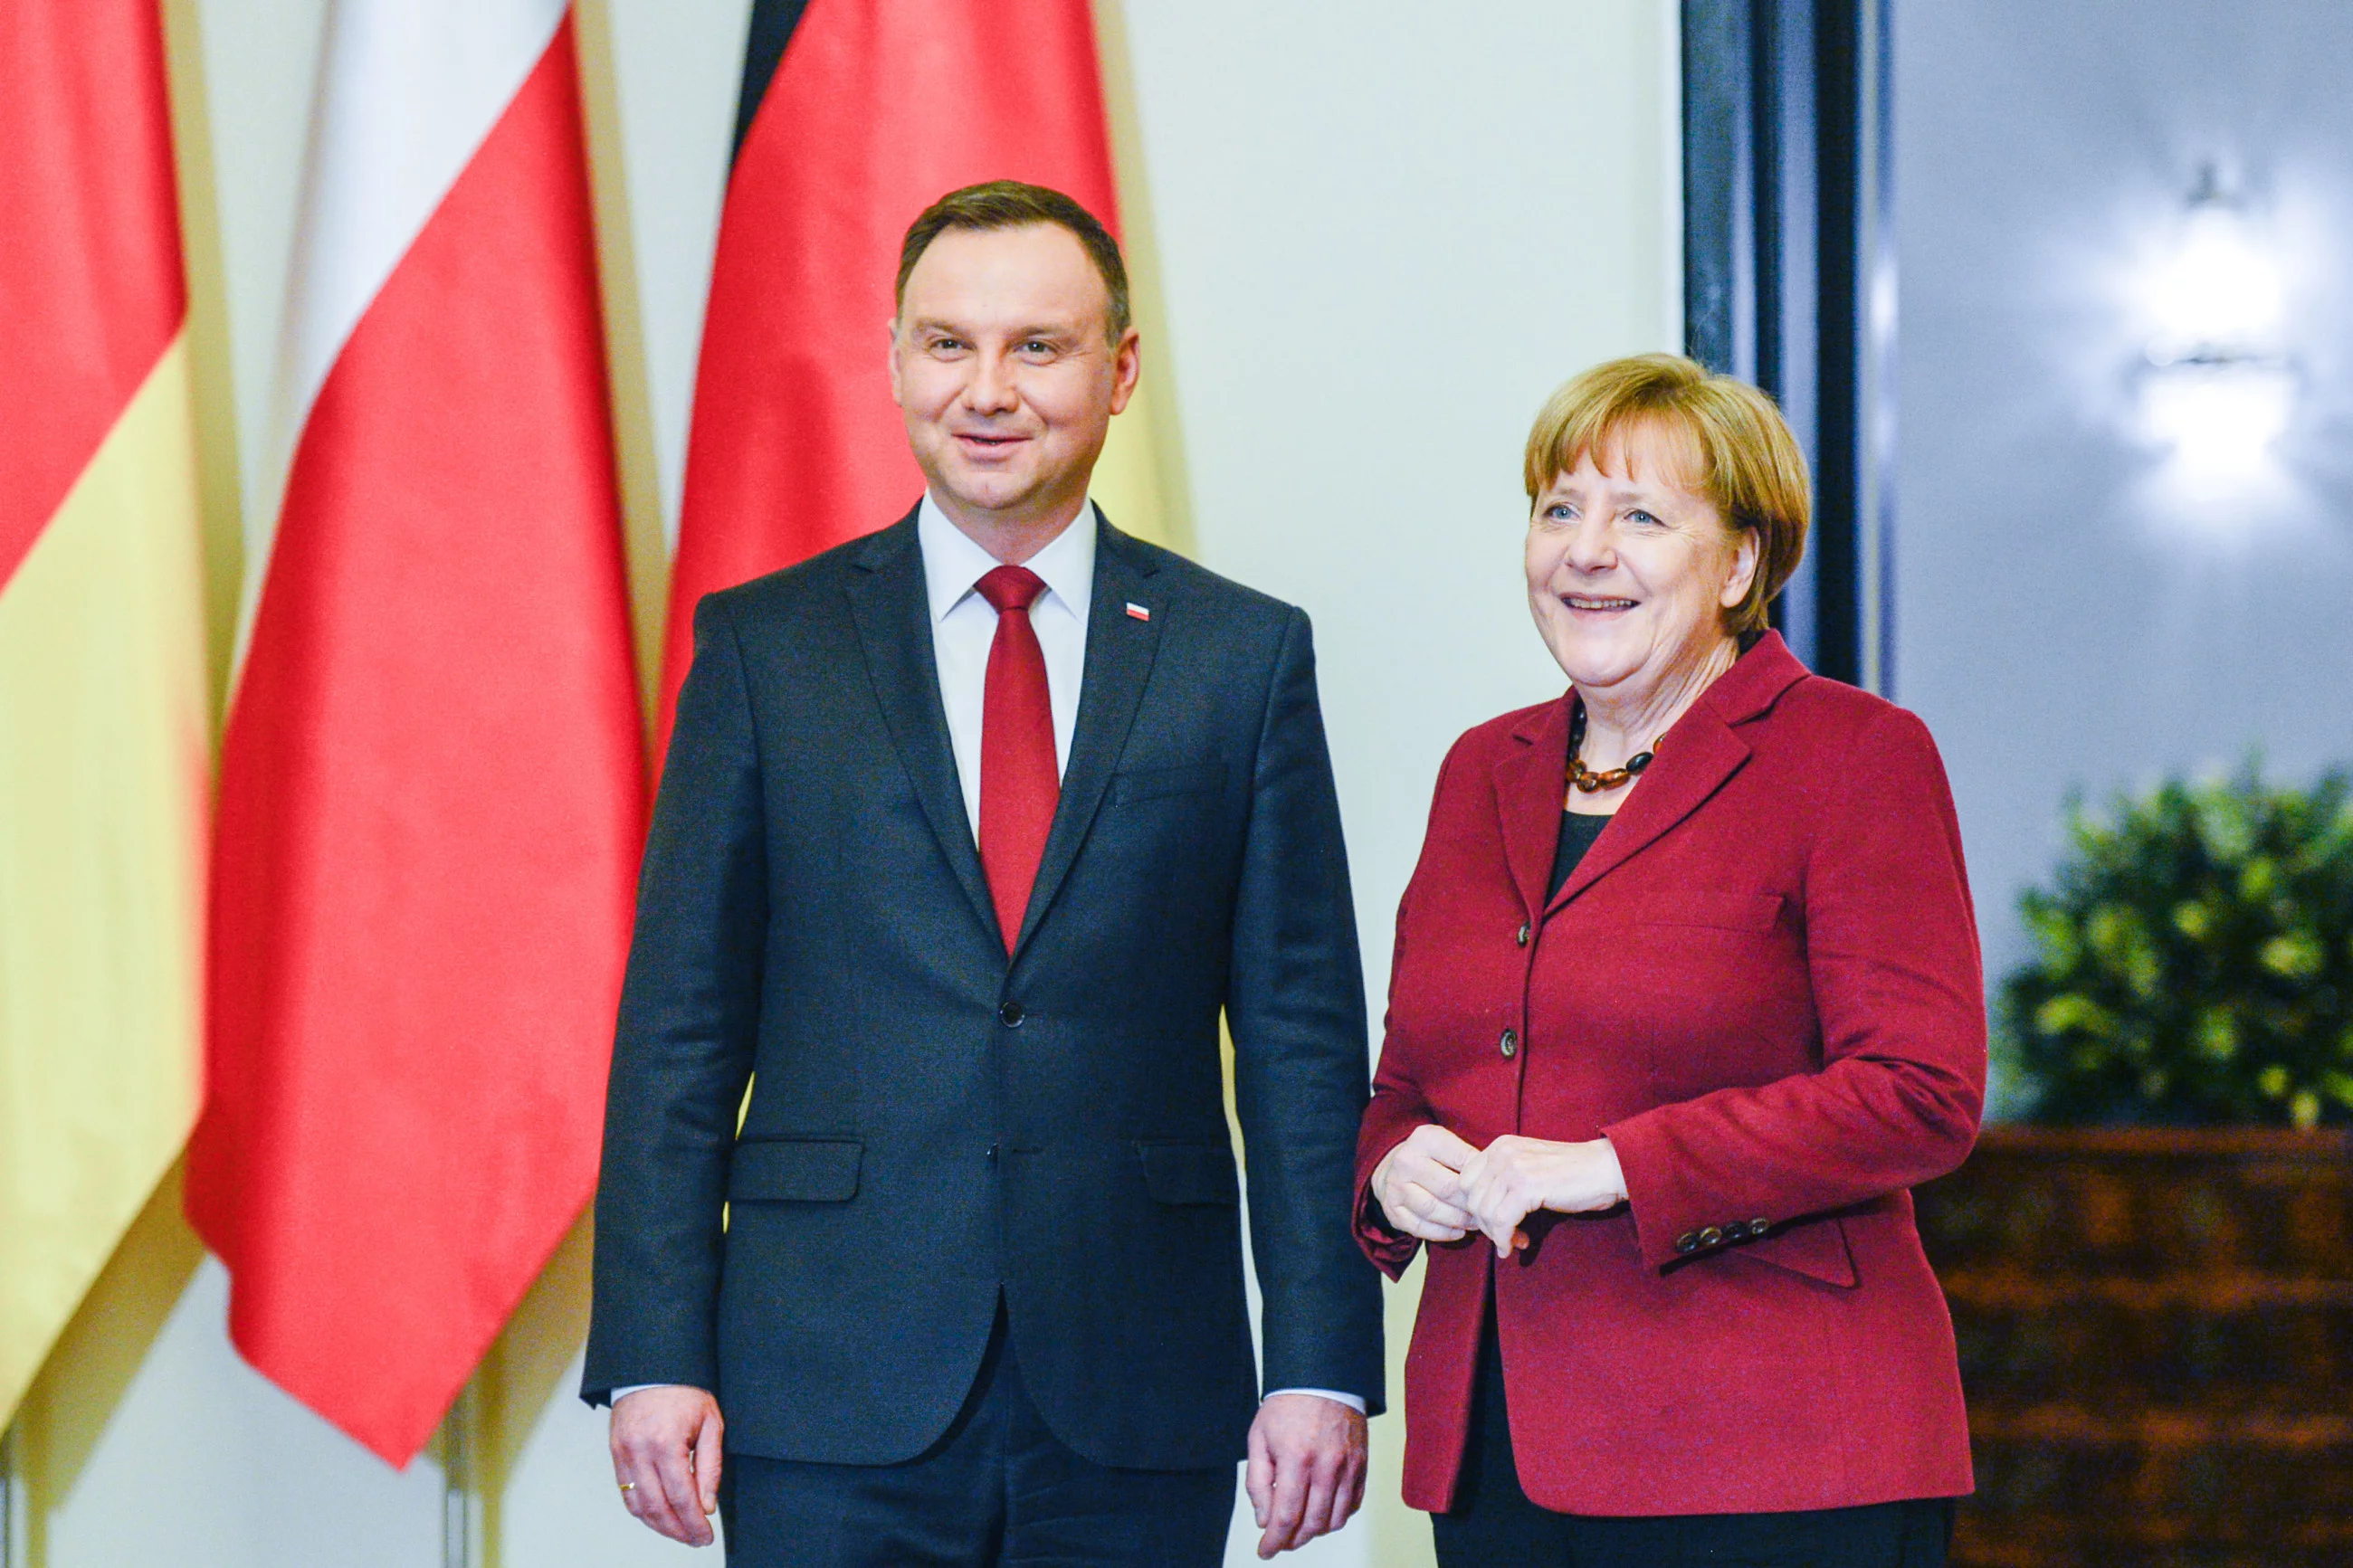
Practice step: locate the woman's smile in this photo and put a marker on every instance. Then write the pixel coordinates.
(1631, 570)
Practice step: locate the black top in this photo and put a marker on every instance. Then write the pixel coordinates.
(1577, 832)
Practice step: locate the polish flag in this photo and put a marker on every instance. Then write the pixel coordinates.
(432, 784)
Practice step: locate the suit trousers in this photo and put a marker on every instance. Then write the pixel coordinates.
(1494, 1525)
(997, 1489)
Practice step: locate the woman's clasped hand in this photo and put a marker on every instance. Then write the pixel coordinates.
(1438, 1187)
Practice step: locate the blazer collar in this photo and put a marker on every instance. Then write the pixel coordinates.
(885, 547)
(1694, 758)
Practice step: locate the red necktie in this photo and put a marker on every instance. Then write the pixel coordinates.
(1018, 783)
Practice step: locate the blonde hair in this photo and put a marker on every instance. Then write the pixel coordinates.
(1748, 464)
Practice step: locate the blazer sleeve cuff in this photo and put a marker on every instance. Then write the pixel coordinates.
(1671, 1221)
(1679, 1221)
(1390, 1248)
(618, 1362)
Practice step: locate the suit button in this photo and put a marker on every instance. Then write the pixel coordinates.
(1760, 1227)
(1736, 1231)
(1510, 1044)
(1009, 1014)
(1710, 1236)
(1523, 933)
(1688, 1242)
(992, 1154)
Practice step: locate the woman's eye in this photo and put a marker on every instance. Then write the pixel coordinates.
(1561, 511)
(1638, 515)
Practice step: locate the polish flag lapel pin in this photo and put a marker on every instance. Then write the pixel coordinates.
(1137, 612)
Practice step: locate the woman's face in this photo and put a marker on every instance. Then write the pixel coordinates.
(1629, 572)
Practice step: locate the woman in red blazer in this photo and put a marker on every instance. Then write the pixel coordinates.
(1687, 996)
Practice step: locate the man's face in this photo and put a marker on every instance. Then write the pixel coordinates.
(1002, 365)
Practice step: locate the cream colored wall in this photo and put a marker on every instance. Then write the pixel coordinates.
(1385, 231)
(1370, 237)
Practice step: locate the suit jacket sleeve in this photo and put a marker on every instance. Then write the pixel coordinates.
(682, 1052)
(1892, 953)
(1297, 1004)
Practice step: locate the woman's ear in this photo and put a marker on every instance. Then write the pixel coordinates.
(1746, 551)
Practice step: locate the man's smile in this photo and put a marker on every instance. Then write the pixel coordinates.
(989, 443)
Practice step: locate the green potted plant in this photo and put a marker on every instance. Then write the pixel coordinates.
(2193, 962)
(2151, 1273)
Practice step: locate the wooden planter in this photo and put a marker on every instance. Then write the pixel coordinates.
(2156, 1333)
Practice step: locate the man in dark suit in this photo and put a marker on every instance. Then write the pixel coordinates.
(968, 831)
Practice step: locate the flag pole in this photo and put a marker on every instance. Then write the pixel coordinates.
(463, 1511)
(16, 1510)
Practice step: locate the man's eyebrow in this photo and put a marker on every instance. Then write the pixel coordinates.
(1068, 329)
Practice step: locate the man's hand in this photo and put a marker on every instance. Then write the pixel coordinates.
(1419, 1184)
(1514, 1176)
(665, 1445)
(1307, 1471)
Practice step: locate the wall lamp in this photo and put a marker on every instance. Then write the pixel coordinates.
(2217, 386)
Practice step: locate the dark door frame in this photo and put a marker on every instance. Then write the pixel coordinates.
(1789, 280)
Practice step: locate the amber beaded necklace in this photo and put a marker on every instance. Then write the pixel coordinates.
(1585, 779)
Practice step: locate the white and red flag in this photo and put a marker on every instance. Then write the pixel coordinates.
(432, 784)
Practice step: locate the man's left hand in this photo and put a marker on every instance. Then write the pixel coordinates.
(1306, 1469)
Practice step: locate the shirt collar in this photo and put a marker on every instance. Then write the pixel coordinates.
(953, 563)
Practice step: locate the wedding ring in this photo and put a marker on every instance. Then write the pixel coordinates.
(628, 1485)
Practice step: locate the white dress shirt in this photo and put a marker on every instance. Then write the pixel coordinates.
(964, 624)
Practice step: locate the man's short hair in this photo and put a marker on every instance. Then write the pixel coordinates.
(1010, 204)
(1735, 450)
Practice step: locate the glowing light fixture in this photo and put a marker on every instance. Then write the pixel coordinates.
(2218, 390)
(2218, 299)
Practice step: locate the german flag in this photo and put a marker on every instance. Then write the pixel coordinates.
(856, 115)
(103, 757)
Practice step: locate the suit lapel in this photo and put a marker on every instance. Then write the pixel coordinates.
(894, 627)
(1120, 652)
(1529, 781)
(1693, 760)
(1698, 754)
